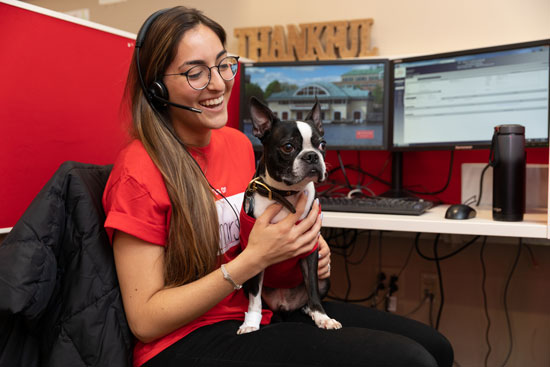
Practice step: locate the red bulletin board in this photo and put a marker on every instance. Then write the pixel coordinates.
(61, 86)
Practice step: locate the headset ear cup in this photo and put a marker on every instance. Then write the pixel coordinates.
(158, 92)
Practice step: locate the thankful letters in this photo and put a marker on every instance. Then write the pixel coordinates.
(311, 41)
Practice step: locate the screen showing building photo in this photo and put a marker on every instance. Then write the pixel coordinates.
(352, 97)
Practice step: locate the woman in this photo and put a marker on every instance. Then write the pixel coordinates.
(171, 205)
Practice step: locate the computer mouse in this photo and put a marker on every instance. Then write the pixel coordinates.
(460, 211)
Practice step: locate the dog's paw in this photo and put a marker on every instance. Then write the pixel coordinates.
(328, 323)
(245, 329)
(322, 320)
(252, 320)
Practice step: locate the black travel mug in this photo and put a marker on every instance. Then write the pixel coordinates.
(508, 161)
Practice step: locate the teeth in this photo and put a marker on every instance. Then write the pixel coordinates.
(212, 102)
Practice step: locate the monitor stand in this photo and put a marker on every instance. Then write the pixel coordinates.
(397, 190)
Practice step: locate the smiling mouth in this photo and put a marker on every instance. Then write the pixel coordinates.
(211, 103)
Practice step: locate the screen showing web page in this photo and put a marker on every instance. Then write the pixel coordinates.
(459, 100)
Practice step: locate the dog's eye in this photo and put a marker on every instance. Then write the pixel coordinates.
(287, 148)
(322, 145)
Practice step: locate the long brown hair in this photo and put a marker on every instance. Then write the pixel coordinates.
(193, 239)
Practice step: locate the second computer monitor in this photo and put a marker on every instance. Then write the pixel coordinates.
(454, 100)
(353, 96)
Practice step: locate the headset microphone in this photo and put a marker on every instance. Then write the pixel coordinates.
(165, 101)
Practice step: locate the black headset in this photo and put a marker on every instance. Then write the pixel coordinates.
(156, 93)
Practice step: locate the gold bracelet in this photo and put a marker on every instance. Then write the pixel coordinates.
(227, 277)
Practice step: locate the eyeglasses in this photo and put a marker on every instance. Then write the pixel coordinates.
(199, 76)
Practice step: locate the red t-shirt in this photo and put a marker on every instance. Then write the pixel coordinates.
(136, 202)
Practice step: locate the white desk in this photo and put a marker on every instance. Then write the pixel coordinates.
(5, 230)
(534, 225)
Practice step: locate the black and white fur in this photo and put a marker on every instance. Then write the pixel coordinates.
(293, 159)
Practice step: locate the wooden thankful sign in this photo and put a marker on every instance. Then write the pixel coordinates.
(311, 41)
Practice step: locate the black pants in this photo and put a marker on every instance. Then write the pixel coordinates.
(368, 338)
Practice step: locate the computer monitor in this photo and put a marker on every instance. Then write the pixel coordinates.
(353, 95)
(454, 100)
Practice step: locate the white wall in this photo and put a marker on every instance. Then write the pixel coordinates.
(401, 27)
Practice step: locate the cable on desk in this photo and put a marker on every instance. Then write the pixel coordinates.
(418, 307)
(377, 176)
(343, 168)
(376, 288)
(485, 307)
(334, 189)
(356, 300)
(437, 260)
(430, 311)
(440, 278)
(331, 187)
(411, 249)
(446, 184)
(345, 250)
(472, 199)
(380, 277)
(507, 286)
(362, 257)
(534, 261)
(362, 172)
(481, 183)
(425, 257)
(361, 177)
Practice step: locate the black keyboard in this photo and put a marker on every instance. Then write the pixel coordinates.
(375, 205)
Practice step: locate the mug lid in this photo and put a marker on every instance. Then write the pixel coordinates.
(510, 129)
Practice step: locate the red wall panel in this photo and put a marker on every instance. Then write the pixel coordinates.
(61, 86)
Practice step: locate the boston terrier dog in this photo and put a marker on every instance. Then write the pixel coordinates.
(292, 160)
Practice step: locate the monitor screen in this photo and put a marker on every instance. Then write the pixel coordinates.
(454, 100)
(353, 96)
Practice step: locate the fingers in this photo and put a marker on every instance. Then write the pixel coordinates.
(324, 249)
(323, 271)
(307, 240)
(310, 219)
(309, 229)
(279, 241)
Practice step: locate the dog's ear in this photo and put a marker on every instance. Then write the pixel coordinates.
(262, 118)
(315, 116)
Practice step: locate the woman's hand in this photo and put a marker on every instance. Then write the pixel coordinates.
(324, 259)
(276, 242)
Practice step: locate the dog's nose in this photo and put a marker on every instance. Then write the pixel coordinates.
(311, 157)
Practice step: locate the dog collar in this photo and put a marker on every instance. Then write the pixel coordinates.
(257, 185)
